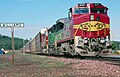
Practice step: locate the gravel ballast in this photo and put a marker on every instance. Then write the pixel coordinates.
(28, 65)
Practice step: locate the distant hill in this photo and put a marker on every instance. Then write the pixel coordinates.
(6, 42)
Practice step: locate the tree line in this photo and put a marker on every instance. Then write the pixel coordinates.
(6, 42)
(115, 45)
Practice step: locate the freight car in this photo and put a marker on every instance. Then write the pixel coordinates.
(85, 32)
(27, 48)
(38, 42)
(33, 46)
(44, 40)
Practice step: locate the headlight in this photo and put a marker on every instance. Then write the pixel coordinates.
(91, 17)
(102, 41)
(107, 44)
(85, 41)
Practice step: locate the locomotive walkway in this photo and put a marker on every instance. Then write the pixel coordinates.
(29, 65)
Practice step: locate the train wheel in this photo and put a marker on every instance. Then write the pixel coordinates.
(79, 56)
(98, 54)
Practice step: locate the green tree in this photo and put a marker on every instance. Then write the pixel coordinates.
(6, 42)
(113, 46)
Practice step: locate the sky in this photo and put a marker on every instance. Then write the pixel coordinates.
(38, 14)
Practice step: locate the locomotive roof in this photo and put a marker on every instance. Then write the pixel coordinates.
(63, 20)
(89, 5)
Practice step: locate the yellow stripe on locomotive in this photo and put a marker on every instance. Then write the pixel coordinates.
(92, 26)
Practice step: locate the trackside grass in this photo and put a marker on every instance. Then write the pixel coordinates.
(29, 65)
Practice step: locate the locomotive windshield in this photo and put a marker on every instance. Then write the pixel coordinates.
(99, 10)
(81, 10)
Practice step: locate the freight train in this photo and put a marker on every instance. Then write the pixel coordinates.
(85, 32)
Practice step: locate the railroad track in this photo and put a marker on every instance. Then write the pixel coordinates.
(103, 58)
(113, 60)
(107, 58)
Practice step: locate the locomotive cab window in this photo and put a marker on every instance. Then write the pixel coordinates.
(70, 13)
(81, 10)
(59, 26)
(99, 10)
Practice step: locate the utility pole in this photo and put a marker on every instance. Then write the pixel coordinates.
(22, 45)
(12, 46)
(0, 41)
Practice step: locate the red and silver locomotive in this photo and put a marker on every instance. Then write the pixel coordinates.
(86, 31)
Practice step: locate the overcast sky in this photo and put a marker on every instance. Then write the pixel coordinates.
(38, 14)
